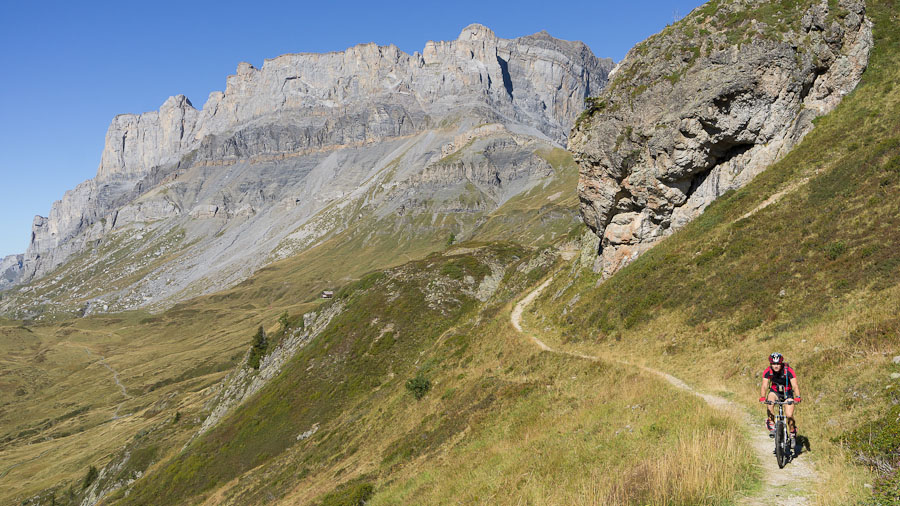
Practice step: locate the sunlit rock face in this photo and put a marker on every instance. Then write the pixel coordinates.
(698, 110)
(10, 270)
(305, 131)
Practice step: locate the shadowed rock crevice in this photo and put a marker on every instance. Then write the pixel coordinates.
(696, 181)
(504, 71)
(731, 152)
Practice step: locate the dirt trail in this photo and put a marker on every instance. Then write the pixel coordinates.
(790, 486)
(17, 464)
(102, 361)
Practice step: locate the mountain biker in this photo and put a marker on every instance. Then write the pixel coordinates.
(780, 383)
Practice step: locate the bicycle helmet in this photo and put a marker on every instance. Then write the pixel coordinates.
(776, 358)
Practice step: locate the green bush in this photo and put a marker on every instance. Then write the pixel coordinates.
(89, 477)
(463, 266)
(877, 445)
(887, 491)
(877, 442)
(353, 494)
(284, 320)
(260, 344)
(835, 249)
(419, 386)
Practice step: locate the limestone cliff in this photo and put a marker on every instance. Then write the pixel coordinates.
(10, 270)
(703, 107)
(283, 142)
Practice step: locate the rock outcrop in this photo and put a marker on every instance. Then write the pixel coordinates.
(284, 141)
(244, 381)
(10, 270)
(699, 109)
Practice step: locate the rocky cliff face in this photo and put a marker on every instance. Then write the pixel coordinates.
(297, 102)
(703, 107)
(10, 270)
(305, 131)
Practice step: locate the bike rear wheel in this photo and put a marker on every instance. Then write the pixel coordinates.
(780, 444)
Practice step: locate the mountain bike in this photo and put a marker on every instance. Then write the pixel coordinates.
(783, 448)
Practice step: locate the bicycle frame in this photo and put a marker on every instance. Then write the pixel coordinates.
(783, 450)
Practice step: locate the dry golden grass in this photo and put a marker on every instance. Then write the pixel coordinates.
(696, 471)
(591, 433)
(842, 379)
(839, 483)
(64, 412)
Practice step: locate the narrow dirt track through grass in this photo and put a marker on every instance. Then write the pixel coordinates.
(102, 361)
(791, 486)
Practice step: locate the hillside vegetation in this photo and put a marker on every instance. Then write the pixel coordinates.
(366, 433)
(804, 260)
(477, 433)
(419, 391)
(62, 410)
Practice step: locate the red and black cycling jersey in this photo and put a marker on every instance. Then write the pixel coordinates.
(777, 381)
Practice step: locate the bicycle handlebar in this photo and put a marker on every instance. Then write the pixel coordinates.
(781, 402)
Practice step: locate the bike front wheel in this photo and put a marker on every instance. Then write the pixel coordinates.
(781, 444)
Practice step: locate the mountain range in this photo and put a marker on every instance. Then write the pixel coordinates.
(499, 271)
(300, 149)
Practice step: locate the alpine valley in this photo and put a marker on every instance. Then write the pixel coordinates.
(496, 271)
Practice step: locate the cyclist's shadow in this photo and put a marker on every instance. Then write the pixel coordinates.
(801, 447)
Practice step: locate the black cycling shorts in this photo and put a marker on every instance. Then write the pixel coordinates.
(783, 395)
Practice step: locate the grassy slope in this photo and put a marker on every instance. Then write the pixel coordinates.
(374, 342)
(813, 275)
(59, 398)
(167, 361)
(541, 215)
(704, 289)
(480, 434)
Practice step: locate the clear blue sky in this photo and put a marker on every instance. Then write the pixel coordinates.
(69, 67)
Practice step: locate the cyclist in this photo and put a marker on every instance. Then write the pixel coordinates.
(780, 383)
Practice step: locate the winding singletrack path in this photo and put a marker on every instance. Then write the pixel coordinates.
(783, 487)
(102, 361)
